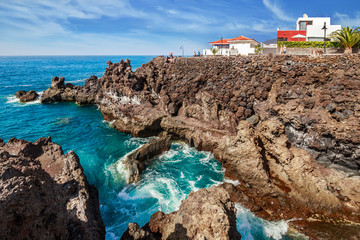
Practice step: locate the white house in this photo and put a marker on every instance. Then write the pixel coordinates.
(314, 27)
(232, 47)
(309, 29)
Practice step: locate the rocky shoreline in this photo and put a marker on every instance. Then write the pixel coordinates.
(286, 127)
(205, 214)
(45, 194)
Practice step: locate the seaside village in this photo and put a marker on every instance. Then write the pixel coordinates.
(313, 36)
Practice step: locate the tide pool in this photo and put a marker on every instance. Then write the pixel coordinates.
(165, 183)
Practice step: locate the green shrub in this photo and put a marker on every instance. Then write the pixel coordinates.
(310, 44)
(259, 49)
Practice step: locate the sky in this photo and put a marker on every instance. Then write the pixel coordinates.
(151, 27)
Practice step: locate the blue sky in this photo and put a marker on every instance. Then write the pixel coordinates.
(143, 27)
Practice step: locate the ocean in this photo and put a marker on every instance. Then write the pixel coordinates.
(101, 149)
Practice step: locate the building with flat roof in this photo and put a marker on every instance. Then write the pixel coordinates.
(308, 29)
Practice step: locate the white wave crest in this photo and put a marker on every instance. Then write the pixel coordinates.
(207, 158)
(192, 186)
(169, 155)
(246, 220)
(121, 168)
(165, 190)
(275, 230)
(233, 182)
(15, 86)
(12, 100)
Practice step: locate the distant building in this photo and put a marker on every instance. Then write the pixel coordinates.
(232, 47)
(308, 29)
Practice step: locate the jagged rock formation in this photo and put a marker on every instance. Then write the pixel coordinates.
(286, 127)
(61, 92)
(205, 214)
(45, 194)
(137, 161)
(26, 96)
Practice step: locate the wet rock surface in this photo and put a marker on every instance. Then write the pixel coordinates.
(286, 127)
(45, 194)
(137, 161)
(205, 214)
(26, 96)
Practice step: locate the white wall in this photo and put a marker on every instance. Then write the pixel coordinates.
(224, 52)
(243, 48)
(235, 49)
(315, 30)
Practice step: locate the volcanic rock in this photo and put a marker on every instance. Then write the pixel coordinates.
(205, 214)
(61, 92)
(137, 161)
(26, 96)
(18, 94)
(45, 194)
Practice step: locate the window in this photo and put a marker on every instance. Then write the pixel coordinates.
(302, 26)
(282, 39)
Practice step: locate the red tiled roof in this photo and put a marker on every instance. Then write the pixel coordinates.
(242, 38)
(226, 41)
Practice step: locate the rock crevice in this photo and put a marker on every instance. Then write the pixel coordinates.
(45, 194)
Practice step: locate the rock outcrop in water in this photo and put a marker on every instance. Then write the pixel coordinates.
(26, 96)
(286, 127)
(205, 214)
(137, 161)
(61, 92)
(45, 194)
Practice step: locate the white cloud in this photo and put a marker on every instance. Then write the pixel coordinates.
(347, 21)
(43, 17)
(275, 9)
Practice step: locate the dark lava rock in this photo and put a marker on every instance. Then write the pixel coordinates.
(45, 194)
(18, 94)
(29, 96)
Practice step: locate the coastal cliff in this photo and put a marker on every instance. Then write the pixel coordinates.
(205, 214)
(285, 127)
(45, 194)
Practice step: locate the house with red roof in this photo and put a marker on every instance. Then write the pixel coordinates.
(233, 46)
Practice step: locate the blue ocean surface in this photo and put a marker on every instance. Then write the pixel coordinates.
(101, 149)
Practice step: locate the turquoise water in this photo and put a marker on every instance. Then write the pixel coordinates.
(101, 149)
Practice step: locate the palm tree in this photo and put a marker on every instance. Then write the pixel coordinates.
(347, 37)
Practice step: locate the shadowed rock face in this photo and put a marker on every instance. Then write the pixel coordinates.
(205, 214)
(26, 96)
(285, 127)
(137, 161)
(45, 194)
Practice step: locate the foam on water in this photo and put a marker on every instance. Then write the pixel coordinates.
(121, 168)
(275, 230)
(233, 182)
(12, 99)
